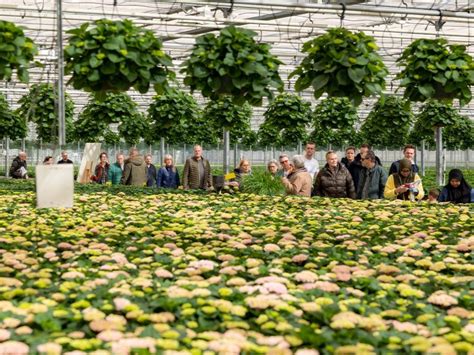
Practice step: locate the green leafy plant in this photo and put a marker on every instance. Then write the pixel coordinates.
(388, 123)
(333, 121)
(16, 52)
(95, 120)
(234, 64)
(11, 125)
(262, 183)
(171, 115)
(460, 135)
(435, 69)
(433, 114)
(223, 113)
(115, 56)
(286, 119)
(39, 107)
(342, 64)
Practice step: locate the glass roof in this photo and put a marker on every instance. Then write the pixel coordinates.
(285, 25)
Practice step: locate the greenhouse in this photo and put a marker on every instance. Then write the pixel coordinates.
(236, 177)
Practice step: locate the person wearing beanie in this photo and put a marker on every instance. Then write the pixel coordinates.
(457, 190)
(404, 184)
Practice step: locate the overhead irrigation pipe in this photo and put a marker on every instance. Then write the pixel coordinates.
(377, 9)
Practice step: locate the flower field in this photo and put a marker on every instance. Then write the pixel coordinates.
(184, 273)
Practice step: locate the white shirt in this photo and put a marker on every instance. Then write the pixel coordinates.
(311, 166)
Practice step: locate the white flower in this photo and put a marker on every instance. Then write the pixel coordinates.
(50, 348)
(14, 348)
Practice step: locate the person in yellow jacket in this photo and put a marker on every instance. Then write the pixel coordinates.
(404, 185)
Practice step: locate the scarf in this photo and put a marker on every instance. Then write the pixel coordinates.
(461, 194)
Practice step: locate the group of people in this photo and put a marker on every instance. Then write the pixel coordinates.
(355, 176)
(362, 176)
(136, 170)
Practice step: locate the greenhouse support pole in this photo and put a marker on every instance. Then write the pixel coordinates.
(162, 149)
(422, 158)
(184, 154)
(235, 154)
(226, 151)
(7, 152)
(61, 108)
(23, 145)
(439, 156)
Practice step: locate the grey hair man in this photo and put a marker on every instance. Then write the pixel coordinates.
(197, 171)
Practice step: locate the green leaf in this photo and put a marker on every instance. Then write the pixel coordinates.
(320, 81)
(426, 90)
(356, 74)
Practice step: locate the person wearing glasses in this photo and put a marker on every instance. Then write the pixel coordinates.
(372, 178)
(285, 166)
(404, 184)
(356, 166)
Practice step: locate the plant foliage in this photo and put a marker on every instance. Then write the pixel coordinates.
(232, 63)
(115, 56)
(342, 64)
(435, 114)
(388, 123)
(333, 121)
(223, 113)
(96, 120)
(16, 52)
(435, 69)
(39, 107)
(171, 115)
(11, 125)
(286, 120)
(262, 183)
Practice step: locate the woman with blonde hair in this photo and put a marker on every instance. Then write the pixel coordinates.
(168, 176)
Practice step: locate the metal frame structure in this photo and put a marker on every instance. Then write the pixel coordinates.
(285, 25)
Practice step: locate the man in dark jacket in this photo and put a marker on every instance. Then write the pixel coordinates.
(18, 168)
(334, 180)
(134, 172)
(409, 154)
(372, 178)
(356, 166)
(150, 171)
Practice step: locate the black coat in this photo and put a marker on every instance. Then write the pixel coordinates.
(151, 176)
(17, 164)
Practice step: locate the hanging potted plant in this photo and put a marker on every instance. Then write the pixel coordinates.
(388, 123)
(96, 120)
(171, 115)
(433, 69)
(233, 64)
(224, 113)
(16, 52)
(113, 56)
(341, 63)
(11, 124)
(333, 121)
(286, 119)
(39, 107)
